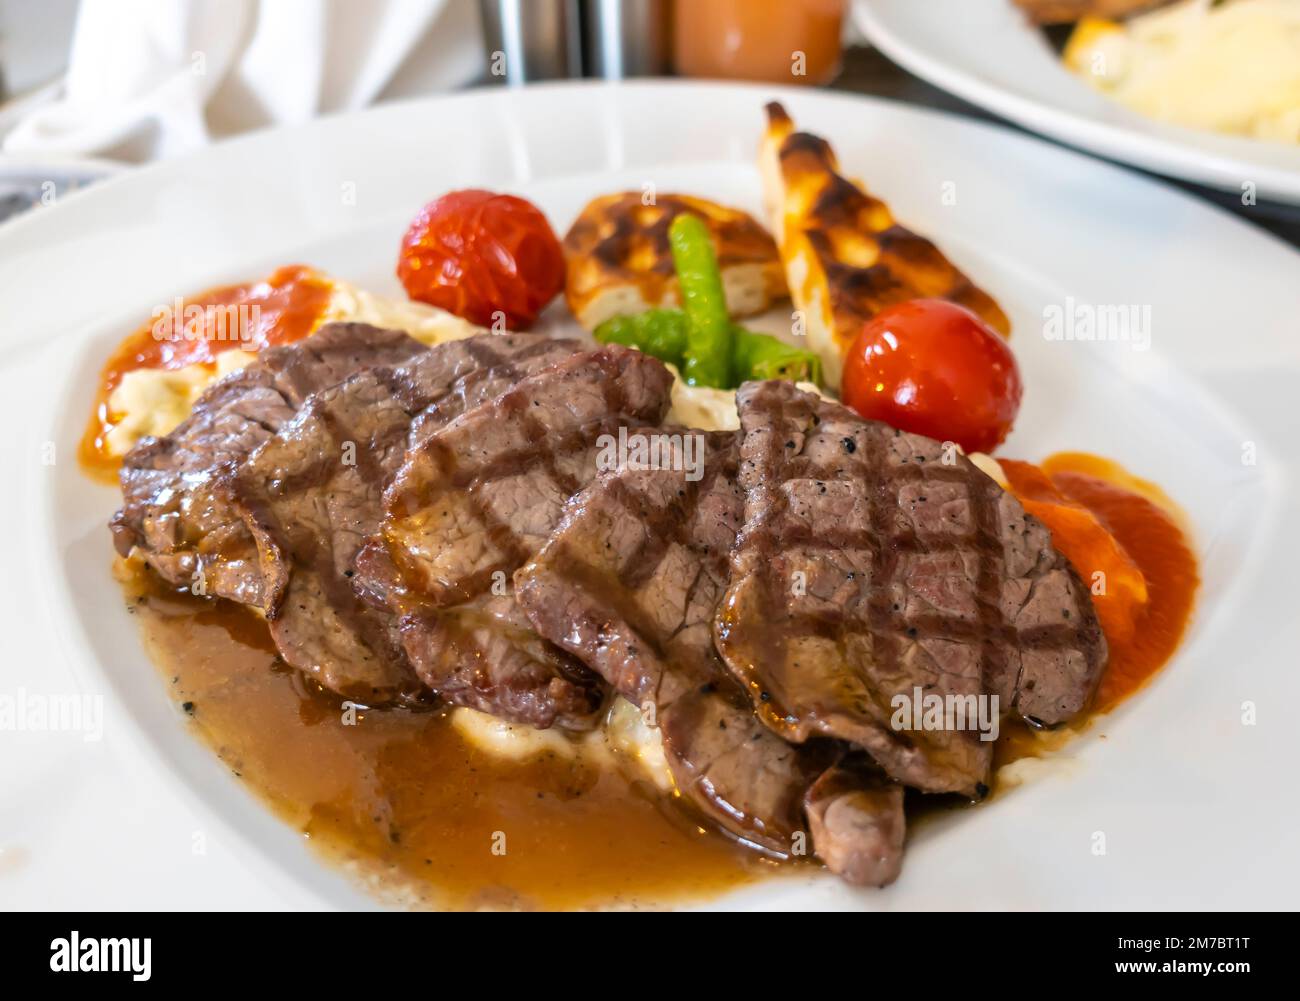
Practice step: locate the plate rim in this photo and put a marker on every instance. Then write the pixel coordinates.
(781, 92)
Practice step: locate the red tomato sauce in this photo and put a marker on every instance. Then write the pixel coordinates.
(283, 308)
(1143, 624)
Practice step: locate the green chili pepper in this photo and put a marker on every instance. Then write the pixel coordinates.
(619, 330)
(708, 328)
(700, 339)
(762, 356)
(658, 332)
(663, 333)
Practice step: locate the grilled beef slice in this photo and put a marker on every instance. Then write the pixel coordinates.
(474, 502)
(875, 563)
(856, 817)
(628, 584)
(176, 507)
(311, 497)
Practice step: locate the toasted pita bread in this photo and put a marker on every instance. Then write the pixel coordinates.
(619, 261)
(845, 257)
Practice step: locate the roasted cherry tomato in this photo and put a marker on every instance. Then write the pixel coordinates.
(476, 254)
(934, 368)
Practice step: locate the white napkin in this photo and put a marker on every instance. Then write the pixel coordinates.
(153, 78)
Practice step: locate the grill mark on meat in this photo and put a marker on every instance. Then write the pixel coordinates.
(613, 589)
(643, 624)
(664, 531)
(450, 535)
(765, 544)
(499, 533)
(514, 551)
(496, 369)
(312, 511)
(542, 450)
(988, 608)
(543, 445)
(482, 352)
(366, 462)
(547, 453)
(888, 636)
(884, 561)
(177, 507)
(665, 528)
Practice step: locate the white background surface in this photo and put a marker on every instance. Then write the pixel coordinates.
(1198, 810)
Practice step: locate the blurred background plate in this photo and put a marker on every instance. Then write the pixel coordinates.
(988, 53)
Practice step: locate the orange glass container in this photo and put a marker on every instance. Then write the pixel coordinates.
(777, 41)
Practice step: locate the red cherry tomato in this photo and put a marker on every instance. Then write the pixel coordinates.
(476, 254)
(934, 368)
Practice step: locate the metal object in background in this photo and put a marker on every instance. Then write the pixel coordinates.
(35, 40)
(26, 184)
(529, 40)
(625, 38)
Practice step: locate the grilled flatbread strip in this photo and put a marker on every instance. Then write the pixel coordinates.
(845, 256)
(619, 261)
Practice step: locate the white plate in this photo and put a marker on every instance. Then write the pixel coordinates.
(987, 52)
(1197, 809)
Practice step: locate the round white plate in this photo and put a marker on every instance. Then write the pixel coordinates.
(987, 52)
(1195, 807)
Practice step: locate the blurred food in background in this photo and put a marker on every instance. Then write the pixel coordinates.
(1230, 66)
(1067, 11)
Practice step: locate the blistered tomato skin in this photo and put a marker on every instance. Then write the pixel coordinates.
(933, 368)
(484, 256)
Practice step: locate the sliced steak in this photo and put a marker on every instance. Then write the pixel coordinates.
(875, 567)
(176, 507)
(311, 497)
(628, 584)
(484, 654)
(474, 502)
(857, 822)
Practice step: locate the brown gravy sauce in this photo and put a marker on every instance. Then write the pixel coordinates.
(413, 810)
(405, 803)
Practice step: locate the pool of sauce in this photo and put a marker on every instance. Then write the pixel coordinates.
(1150, 528)
(406, 804)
